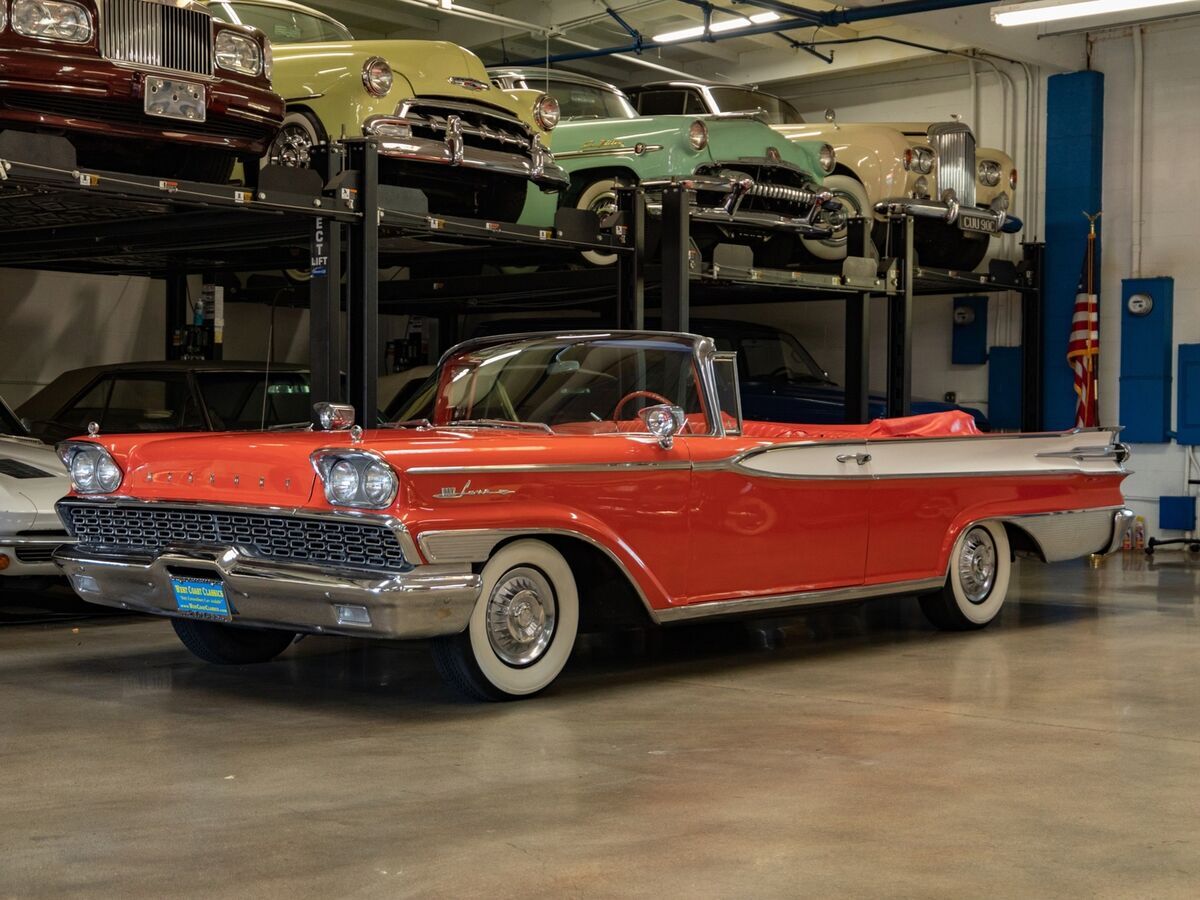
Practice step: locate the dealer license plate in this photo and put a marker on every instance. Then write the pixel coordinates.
(201, 598)
(174, 99)
(985, 224)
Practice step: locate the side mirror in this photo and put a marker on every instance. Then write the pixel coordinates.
(664, 422)
(333, 416)
(830, 115)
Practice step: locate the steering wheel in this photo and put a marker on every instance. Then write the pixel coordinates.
(635, 395)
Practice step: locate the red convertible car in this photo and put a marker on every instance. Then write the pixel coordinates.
(545, 484)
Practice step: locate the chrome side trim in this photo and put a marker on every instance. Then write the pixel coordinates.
(712, 608)
(34, 540)
(475, 545)
(547, 467)
(635, 150)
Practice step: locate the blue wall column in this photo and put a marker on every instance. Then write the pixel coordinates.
(1074, 163)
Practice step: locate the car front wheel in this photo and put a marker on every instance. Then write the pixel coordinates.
(980, 569)
(229, 645)
(848, 191)
(294, 143)
(522, 630)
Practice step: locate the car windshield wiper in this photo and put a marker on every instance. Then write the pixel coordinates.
(408, 423)
(500, 423)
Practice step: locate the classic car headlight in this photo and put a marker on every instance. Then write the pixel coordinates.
(238, 52)
(698, 135)
(546, 112)
(828, 159)
(919, 160)
(989, 172)
(356, 478)
(1012, 179)
(93, 470)
(53, 20)
(377, 76)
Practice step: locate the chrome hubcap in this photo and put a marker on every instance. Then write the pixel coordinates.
(977, 565)
(838, 219)
(521, 616)
(604, 206)
(292, 148)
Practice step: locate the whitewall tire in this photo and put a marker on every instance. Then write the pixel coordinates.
(855, 202)
(293, 145)
(601, 198)
(523, 627)
(977, 584)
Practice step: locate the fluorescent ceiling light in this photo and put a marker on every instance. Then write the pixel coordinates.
(1054, 10)
(716, 27)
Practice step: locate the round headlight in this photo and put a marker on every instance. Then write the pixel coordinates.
(828, 159)
(83, 471)
(343, 481)
(921, 188)
(1012, 179)
(108, 475)
(52, 20)
(377, 76)
(546, 112)
(379, 483)
(989, 172)
(698, 135)
(919, 160)
(238, 52)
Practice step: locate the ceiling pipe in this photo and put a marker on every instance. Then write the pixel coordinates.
(811, 18)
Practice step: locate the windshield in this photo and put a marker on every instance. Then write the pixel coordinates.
(773, 356)
(569, 384)
(9, 423)
(283, 25)
(235, 400)
(583, 101)
(778, 111)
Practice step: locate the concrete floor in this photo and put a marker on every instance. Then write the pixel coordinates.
(1055, 754)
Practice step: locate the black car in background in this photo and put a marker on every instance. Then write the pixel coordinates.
(187, 395)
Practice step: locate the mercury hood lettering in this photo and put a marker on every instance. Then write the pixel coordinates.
(452, 493)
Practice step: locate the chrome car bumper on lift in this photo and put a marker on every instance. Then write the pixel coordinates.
(30, 553)
(736, 190)
(531, 159)
(425, 601)
(981, 220)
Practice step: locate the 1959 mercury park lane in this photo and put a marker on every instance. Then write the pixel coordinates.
(544, 484)
(146, 86)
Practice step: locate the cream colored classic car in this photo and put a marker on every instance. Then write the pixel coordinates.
(960, 195)
(444, 128)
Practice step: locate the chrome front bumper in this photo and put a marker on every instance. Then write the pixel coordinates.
(951, 212)
(736, 190)
(534, 162)
(422, 602)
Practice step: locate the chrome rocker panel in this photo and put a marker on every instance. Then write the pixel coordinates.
(538, 167)
(427, 601)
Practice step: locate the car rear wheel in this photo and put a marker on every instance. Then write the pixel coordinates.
(229, 645)
(975, 588)
(522, 630)
(849, 191)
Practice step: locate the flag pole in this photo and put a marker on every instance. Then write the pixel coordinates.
(1093, 380)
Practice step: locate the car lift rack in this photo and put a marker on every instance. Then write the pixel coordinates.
(338, 222)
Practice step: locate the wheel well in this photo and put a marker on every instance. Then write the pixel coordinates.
(607, 596)
(1022, 543)
(839, 169)
(311, 116)
(582, 180)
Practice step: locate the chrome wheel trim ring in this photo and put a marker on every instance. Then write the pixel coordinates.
(521, 616)
(839, 219)
(604, 205)
(292, 147)
(977, 565)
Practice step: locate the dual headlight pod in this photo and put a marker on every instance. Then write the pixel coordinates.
(356, 478)
(93, 470)
(238, 53)
(52, 20)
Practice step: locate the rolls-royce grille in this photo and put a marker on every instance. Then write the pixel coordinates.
(149, 530)
(955, 148)
(157, 36)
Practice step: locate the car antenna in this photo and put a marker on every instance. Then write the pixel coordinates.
(262, 425)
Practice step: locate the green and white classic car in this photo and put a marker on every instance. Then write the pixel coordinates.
(471, 147)
(752, 186)
(960, 195)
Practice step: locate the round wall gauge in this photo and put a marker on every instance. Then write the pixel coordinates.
(963, 315)
(1140, 304)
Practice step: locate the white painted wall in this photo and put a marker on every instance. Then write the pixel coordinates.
(1171, 183)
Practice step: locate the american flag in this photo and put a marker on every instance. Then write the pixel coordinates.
(1083, 348)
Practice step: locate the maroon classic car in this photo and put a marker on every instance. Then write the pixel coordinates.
(156, 87)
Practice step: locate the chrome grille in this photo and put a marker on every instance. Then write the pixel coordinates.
(479, 126)
(157, 36)
(955, 148)
(147, 530)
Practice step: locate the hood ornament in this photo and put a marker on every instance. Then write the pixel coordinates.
(93, 428)
(471, 84)
(453, 493)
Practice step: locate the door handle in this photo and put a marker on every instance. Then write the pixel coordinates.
(861, 458)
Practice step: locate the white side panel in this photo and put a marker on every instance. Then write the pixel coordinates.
(906, 458)
(809, 461)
